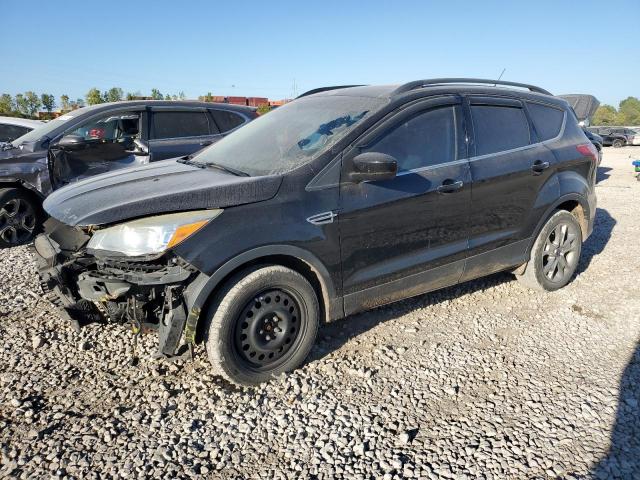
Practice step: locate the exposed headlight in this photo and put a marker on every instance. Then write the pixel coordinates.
(152, 235)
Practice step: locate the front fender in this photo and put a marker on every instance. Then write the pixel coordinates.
(200, 290)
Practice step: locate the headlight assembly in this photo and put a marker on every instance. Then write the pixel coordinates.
(151, 235)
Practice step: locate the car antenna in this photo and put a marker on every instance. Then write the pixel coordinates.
(503, 70)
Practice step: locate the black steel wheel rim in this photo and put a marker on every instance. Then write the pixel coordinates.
(269, 329)
(17, 221)
(561, 252)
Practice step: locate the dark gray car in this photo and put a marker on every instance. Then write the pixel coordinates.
(100, 139)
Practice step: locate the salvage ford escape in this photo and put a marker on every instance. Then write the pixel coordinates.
(340, 201)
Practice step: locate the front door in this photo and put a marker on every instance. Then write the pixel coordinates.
(109, 143)
(408, 235)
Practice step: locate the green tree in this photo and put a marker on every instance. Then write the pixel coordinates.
(156, 95)
(79, 103)
(181, 95)
(32, 102)
(21, 104)
(262, 109)
(6, 103)
(48, 102)
(114, 94)
(94, 96)
(605, 115)
(64, 102)
(629, 111)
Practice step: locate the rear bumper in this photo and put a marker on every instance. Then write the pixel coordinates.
(86, 289)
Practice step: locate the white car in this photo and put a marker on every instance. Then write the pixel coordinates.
(12, 128)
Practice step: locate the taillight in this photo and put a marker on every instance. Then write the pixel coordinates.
(588, 150)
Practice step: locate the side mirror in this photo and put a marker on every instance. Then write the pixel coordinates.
(71, 142)
(373, 166)
(140, 147)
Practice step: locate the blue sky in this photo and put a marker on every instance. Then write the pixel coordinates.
(261, 48)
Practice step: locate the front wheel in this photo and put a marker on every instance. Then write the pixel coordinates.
(19, 217)
(263, 322)
(555, 253)
(617, 143)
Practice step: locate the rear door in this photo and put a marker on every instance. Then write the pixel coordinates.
(407, 235)
(176, 132)
(509, 166)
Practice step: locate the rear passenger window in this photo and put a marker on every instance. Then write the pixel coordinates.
(429, 138)
(227, 120)
(180, 124)
(547, 120)
(499, 128)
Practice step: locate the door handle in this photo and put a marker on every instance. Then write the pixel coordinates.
(449, 186)
(539, 166)
(206, 143)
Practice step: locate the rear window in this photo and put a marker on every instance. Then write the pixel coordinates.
(499, 128)
(227, 120)
(180, 124)
(546, 120)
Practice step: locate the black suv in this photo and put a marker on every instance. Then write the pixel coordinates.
(338, 202)
(100, 139)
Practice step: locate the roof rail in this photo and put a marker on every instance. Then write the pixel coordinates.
(326, 89)
(440, 81)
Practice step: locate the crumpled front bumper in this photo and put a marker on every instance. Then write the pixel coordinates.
(149, 294)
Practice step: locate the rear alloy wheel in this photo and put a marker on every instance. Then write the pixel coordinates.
(617, 143)
(555, 254)
(263, 323)
(18, 217)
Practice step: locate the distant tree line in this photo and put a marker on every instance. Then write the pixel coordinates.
(628, 113)
(28, 104)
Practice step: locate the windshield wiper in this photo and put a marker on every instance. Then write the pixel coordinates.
(233, 171)
(187, 161)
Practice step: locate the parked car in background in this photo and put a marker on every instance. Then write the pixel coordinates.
(12, 127)
(338, 202)
(615, 136)
(100, 139)
(596, 140)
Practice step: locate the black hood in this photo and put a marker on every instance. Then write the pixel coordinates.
(162, 187)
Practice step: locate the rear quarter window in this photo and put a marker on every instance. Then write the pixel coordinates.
(499, 128)
(227, 120)
(546, 120)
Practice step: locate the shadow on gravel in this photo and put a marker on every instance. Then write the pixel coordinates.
(623, 458)
(595, 244)
(602, 174)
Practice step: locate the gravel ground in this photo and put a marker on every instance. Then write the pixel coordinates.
(486, 379)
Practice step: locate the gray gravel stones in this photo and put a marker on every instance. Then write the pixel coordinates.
(481, 380)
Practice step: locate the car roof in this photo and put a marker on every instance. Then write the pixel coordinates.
(460, 86)
(22, 122)
(165, 103)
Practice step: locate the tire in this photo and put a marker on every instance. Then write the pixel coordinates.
(264, 322)
(617, 143)
(20, 217)
(558, 243)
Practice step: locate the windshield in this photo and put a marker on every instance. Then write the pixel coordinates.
(289, 136)
(45, 129)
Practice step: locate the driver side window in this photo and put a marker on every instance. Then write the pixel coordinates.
(117, 127)
(426, 139)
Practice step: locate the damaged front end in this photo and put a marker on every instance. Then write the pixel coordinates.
(145, 291)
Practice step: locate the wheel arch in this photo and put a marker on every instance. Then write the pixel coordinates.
(574, 203)
(203, 290)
